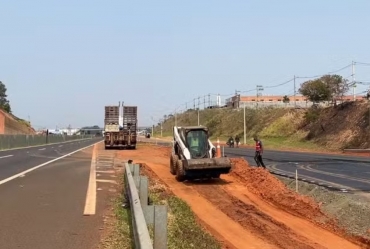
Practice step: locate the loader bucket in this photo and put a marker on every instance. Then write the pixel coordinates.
(223, 164)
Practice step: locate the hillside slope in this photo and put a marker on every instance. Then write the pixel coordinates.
(333, 128)
(10, 124)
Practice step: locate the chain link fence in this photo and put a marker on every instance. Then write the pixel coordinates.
(18, 141)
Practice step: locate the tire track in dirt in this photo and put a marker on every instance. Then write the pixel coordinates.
(262, 225)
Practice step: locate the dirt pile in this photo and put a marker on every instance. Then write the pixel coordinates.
(268, 187)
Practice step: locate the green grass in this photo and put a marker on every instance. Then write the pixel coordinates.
(183, 230)
(278, 128)
(121, 236)
(282, 143)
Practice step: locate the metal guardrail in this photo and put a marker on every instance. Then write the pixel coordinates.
(18, 141)
(136, 191)
(357, 150)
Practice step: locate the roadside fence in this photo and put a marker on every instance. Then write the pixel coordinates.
(18, 141)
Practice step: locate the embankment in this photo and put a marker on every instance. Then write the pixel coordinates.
(332, 128)
(9, 124)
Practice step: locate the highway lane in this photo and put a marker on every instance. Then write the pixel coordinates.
(343, 172)
(46, 208)
(18, 160)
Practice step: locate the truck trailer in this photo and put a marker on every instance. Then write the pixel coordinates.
(117, 136)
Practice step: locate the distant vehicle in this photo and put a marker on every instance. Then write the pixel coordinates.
(117, 136)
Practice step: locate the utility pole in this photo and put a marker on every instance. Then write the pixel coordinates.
(295, 106)
(194, 104)
(353, 80)
(209, 99)
(236, 99)
(161, 128)
(245, 128)
(176, 118)
(204, 102)
(198, 108)
(259, 88)
(152, 127)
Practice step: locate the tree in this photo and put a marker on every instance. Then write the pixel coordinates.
(316, 90)
(338, 86)
(4, 102)
(286, 99)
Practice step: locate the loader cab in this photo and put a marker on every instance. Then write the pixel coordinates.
(196, 140)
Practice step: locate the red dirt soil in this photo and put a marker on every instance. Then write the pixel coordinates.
(248, 208)
(269, 188)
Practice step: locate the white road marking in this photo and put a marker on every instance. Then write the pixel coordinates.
(90, 203)
(6, 156)
(42, 149)
(105, 171)
(42, 165)
(107, 181)
(60, 146)
(35, 146)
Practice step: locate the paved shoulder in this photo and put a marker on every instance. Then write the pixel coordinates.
(45, 208)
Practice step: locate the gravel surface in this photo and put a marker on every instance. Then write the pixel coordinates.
(351, 210)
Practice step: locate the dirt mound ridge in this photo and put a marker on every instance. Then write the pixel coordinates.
(261, 183)
(266, 186)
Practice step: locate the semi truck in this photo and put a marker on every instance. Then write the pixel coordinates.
(120, 130)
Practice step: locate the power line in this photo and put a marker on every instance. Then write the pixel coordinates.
(316, 76)
(281, 84)
(362, 63)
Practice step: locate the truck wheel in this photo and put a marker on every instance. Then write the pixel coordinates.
(180, 173)
(173, 162)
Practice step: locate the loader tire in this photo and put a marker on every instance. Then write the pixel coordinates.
(173, 163)
(180, 173)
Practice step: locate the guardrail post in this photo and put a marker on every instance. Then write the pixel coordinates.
(153, 214)
(160, 227)
(143, 191)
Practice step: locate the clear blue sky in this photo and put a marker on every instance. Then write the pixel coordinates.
(63, 61)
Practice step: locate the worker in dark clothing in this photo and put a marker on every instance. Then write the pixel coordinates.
(230, 142)
(259, 152)
(237, 140)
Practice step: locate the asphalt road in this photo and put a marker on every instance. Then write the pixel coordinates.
(342, 172)
(45, 208)
(18, 160)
